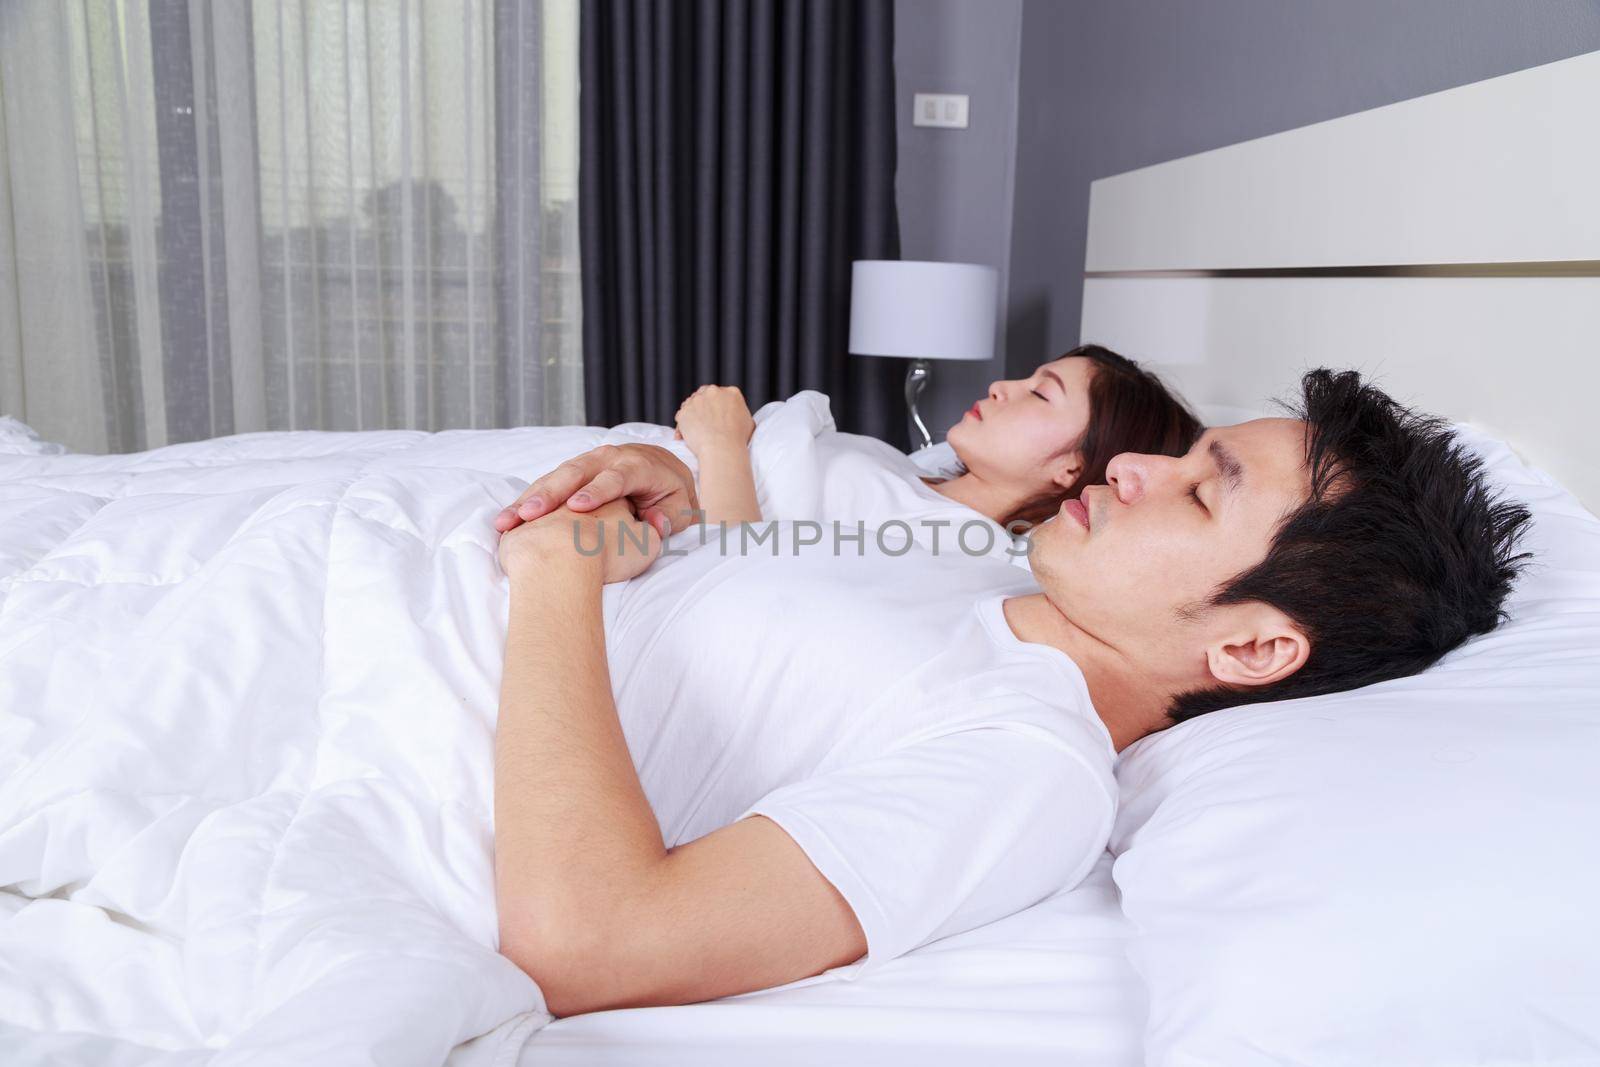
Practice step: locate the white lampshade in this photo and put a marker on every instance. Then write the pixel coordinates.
(922, 310)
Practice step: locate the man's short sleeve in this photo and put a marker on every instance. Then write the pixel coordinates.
(950, 833)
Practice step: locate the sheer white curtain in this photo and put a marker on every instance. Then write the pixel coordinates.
(218, 217)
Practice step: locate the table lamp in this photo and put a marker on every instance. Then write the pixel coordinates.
(922, 311)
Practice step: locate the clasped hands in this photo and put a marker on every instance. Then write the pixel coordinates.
(608, 510)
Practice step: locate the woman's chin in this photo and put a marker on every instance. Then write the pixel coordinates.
(955, 438)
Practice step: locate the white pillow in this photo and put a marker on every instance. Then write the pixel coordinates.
(1408, 874)
(938, 461)
(1231, 414)
(17, 438)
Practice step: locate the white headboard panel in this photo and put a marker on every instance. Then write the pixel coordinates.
(1448, 246)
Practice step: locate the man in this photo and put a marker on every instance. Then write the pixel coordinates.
(949, 758)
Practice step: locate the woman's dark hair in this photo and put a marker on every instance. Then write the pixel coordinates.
(1129, 411)
(1400, 553)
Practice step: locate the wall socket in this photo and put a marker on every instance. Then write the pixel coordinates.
(948, 110)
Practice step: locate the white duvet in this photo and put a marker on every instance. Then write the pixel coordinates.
(247, 700)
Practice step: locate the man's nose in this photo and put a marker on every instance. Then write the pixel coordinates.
(1129, 474)
(1136, 475)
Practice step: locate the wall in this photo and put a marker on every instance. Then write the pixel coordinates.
(1111, 85)
(954, 186)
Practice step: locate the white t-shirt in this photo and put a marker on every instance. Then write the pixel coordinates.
(937, 770)
(807, 470)
(868, 479)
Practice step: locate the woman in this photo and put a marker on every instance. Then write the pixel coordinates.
(1024, 449)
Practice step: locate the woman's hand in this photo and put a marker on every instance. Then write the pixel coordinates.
(715, 416)
(715, 423)
(609, 542)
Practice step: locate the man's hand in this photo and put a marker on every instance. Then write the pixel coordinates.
(608, 541)
(656, 483)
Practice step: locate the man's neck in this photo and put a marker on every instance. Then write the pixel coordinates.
(1125, 699)
(986, 498)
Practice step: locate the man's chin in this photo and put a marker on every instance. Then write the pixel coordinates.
(1049, 549)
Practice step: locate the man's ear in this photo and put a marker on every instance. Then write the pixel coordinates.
(1067, 469)
(1256, 645)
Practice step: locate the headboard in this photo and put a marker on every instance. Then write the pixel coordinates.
(1448, 246)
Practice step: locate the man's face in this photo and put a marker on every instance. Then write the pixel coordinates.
(1164, 534)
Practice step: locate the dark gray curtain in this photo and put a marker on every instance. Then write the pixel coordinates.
(736, 155)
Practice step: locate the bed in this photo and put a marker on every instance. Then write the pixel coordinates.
(186, 899)
(261, 832)
(1404, 874)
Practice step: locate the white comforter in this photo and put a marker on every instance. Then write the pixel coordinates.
(247, 701)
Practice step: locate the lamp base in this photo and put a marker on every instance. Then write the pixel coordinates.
(916, 381)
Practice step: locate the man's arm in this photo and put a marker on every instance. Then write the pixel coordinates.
(592, 904)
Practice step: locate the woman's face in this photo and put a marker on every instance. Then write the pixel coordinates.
(1025, 433)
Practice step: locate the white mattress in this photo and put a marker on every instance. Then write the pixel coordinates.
(1050, 985)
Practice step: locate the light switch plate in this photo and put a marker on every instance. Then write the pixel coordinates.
(947, 110)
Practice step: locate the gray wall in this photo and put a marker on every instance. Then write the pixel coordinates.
(1110, 85)
(954, 186)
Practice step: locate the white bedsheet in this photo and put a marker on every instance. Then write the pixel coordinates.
(247, 695)
(1048, 986)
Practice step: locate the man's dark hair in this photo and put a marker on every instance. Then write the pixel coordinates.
(1400, 553)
